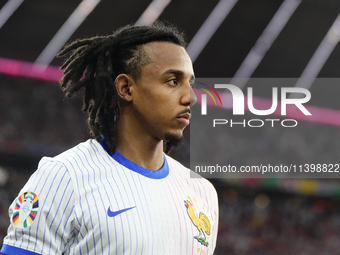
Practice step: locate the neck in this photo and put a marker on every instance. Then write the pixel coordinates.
(137, 145)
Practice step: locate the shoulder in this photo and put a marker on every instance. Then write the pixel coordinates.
(183, 172)
(175, 164)
(88, 148)
(75, 161)
(83, 153)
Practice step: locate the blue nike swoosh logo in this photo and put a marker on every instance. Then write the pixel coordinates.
(113, 214)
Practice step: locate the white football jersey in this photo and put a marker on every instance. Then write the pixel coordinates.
(85, 201)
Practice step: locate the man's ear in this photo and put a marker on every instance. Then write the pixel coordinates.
(123, 83)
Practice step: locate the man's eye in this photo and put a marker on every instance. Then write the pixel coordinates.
(173, 82)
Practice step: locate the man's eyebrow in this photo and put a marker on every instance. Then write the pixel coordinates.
(174, 71)
(177, 72)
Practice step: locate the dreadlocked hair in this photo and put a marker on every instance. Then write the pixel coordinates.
(92, 65)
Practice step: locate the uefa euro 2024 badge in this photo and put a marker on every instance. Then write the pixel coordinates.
(26, 210)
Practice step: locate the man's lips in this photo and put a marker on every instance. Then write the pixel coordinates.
(184, 118)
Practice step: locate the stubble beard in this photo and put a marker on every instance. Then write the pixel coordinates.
(172, 141)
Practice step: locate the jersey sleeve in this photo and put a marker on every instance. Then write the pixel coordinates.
(42, 218)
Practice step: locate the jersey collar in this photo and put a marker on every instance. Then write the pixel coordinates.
(153, 174)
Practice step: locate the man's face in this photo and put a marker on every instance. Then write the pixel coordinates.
(162, 96)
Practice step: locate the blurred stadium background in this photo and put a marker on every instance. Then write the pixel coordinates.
(227, 38)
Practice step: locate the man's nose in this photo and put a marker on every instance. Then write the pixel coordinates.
(193, 98)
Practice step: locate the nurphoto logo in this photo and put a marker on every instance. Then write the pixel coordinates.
(239, 104)
(204, 97)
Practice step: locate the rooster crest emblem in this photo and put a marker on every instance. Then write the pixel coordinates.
(202, 223)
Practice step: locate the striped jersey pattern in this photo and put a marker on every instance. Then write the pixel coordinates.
(91, 203)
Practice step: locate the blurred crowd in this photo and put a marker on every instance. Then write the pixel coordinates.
(36, 112)
(252, 220)
(263, 222)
